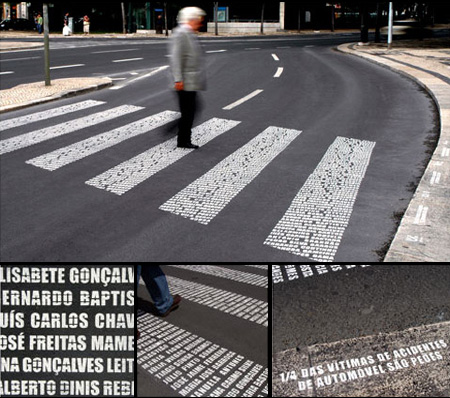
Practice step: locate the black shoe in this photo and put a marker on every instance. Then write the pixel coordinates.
(190, 146)
(176, 303)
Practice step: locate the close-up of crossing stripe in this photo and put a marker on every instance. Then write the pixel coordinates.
(35, 137)
(286, 273)
(48, 114)
(194, 366)
(132, 172)
(232, 303)
(235, 275)
(215, 343)
(69, 154)
(316, 220)
(202, 200)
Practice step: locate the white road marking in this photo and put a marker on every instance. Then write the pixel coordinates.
(7, 73)
(421, 215)
(231, 303)
(202, 200)
(242, 100)
(151, 73)
(285, 273)
(275, 57)
(18, 59)
(227, 273)
(128, 60)
(285, 47)
(252, 48)
(278, 72)
(132, 172)
(34, 117)
(79, 150)
(67, 66)
(215, 51)
(194, 366)
(435, 178)
(115, 51)
(316, 220)
(35, 137)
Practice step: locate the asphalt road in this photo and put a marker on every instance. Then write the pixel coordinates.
(342, 195)
(215, 343)
(326, 316)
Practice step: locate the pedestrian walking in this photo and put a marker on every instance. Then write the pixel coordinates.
(187, 68)
(39, 23)
(86, 24)
(66, 28)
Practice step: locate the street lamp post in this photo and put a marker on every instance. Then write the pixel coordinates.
(46, 46)
(391, 23)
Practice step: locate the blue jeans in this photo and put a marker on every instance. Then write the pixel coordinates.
(157, 286)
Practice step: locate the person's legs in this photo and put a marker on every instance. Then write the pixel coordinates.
(157, 286)
(188, 104)
(138, 273)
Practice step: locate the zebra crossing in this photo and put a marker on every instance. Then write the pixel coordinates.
(288, 273)
(312, 226)
(206, 358)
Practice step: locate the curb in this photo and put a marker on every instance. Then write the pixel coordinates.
(424, 228)
(21, 48)
(64, 94)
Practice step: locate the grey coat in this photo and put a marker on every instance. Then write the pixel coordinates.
(186, 59)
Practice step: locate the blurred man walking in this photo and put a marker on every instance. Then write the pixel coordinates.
(187, 69)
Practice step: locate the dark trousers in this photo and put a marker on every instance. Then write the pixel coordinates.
(188, 108)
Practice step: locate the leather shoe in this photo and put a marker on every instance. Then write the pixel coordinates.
(176, 303)
(190, 146)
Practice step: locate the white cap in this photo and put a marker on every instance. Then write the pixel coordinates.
(188, 13)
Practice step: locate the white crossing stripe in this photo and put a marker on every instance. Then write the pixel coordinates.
(202, 200)
(194, 366)
(226, 273)
(242, 100)
(132, 172)
(316, 220)
(294, 272)
(421, 215)
(49, 113)
(79, 150)
(35, 137)
(244, 307)
(435, 178)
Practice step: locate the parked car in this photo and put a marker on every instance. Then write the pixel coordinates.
(17, 24)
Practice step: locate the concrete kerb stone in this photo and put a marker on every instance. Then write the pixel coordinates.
(424, 230)
(82, 86)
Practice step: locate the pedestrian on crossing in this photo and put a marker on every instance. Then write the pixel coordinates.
(157, 286)
(188, 74)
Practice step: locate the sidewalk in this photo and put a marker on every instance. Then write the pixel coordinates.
(25, 95)
(424, 231)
